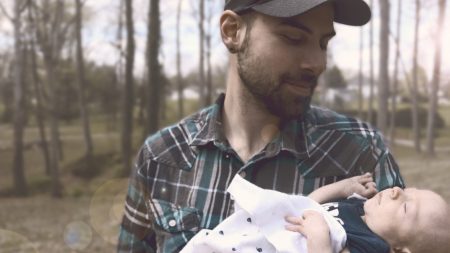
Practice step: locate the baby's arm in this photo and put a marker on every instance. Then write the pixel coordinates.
(362, 185)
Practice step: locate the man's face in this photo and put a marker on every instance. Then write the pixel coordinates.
(398, 215)
(281, 59)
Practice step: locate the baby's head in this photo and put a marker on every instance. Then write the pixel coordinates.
(410, 220)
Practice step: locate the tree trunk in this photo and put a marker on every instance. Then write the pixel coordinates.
(50, 35)
(360, 74)
(370, 117)
(54, 132)
(155, 90)
(433, 101)
(383, 82)
(119, 73)
(20, 184)
(81, 80)
(414, 100)
(395, 84)
(39, 109)
(180, 84)
(201, 28)
(128, 94)
(209, 85)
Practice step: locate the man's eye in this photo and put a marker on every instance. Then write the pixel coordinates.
(293, 39)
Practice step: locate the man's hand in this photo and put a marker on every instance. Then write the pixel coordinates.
(313, 226)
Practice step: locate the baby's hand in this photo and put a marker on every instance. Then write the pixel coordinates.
(312, 225)
(362, 185)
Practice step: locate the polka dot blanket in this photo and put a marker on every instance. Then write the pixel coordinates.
(258, 225)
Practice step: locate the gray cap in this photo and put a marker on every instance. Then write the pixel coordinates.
(348, 12)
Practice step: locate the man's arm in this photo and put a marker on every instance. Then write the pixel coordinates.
(362, 185)
(136, 233)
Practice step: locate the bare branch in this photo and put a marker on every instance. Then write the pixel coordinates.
(24, 6)
(2, 8)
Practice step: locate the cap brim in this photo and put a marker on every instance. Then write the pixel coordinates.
(348, 12)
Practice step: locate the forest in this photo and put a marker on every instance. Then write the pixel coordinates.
(84, 82)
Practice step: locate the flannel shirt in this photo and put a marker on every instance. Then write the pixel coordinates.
(179, 181)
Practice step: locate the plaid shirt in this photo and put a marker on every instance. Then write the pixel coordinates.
(179, 182)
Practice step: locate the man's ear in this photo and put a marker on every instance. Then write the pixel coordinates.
(231, 29)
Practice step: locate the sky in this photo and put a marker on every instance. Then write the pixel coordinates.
(100, 32)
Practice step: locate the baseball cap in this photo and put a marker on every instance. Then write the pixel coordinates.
(348, 12)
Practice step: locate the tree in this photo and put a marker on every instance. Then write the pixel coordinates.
(81, 80)
(154, 90)
(360, 74)
(51, 29)
(383, 80)
(371, 75)
(119, 75)
(38, 93)
(208, 35)
(128, 93)
(20, 185)
(394, 93)
(433, 101)
(6, 87)
(414, 100)
(180, 84)
(201, 63)
(334, 79)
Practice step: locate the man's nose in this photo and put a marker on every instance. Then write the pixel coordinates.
(313, 60)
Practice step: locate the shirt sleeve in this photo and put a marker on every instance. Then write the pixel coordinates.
(386, 171)
(136, 233)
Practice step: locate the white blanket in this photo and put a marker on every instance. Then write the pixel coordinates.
(258, 224)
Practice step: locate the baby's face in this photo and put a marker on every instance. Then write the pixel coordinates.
(398, 215)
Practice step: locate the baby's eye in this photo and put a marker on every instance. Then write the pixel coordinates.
(405, 207)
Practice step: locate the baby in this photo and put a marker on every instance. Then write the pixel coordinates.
(394, 220)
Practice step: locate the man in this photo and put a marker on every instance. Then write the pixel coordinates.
(263, 128)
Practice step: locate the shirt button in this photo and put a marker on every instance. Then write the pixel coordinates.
(243, 174)
(227, 156)
(172, 223)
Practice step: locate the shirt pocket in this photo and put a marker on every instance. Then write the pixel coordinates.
(171, 218)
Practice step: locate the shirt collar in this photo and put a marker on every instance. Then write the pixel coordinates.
(210, 125)
(292, 138)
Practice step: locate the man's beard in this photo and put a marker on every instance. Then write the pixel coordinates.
(270, 88)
